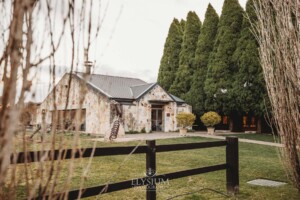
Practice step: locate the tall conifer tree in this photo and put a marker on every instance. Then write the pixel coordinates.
(182, 24)
(182, 83)
(170, 60)
(249, 83)
(196, 96)
(221, 68)
(249, 86)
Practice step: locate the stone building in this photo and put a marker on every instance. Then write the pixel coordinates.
(29, 114)
(100, 100)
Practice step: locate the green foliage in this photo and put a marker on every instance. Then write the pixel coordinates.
(210, 119)
(185, 119)
(182, 82)
(182, 25)
(170, 60)
(196, 96)
(249, 84)
(221, 68)
(131, 132)
(217, 66)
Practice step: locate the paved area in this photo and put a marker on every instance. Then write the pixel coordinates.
(162, 135)
(240, 139)
(265, 182)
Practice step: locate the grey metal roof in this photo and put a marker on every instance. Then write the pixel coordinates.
(113, 86)
(177, 99)
(119, 87)
(138, 90)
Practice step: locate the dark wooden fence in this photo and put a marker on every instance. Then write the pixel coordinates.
(150, 181)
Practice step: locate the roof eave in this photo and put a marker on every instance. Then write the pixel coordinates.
(94, 86)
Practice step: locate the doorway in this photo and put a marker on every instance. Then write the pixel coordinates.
(157, 118)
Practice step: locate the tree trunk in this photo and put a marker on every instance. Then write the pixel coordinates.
(258, 125)
(236, 122)
(9, 115)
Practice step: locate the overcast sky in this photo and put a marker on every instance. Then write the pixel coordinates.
(133, 34)
(136, 45)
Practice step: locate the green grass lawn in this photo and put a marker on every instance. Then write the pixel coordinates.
(256, 161)
(260, 137)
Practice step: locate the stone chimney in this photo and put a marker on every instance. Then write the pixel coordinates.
(88, 64)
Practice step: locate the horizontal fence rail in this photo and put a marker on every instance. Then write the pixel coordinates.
(113, 187)
(36, 156)
(231, 166)
(189, 146)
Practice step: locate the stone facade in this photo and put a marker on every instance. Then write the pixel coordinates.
(95, 104)
(138, 115)
(99, 110)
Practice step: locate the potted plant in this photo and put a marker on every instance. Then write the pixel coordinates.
(210, 119)
(185, 120)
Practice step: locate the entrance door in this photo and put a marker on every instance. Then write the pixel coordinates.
(156, 118)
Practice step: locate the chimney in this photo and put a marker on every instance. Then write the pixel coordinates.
(88, 64)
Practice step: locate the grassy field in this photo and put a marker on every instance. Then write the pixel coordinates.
(260, 137)
(256, 161)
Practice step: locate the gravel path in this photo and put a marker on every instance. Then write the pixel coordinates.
(162, 135)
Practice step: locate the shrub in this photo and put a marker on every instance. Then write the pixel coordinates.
(143, 130)
(131, 132)
(185, 119)
(210, 119)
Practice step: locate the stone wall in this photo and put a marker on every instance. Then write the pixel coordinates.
(97, 105)
(131, 117)
(138, 116)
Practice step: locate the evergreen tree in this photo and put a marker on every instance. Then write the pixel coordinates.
(221, 68)
(182, 25)
(182, 83)
(249, 85)
(196, 96)
(170, 60)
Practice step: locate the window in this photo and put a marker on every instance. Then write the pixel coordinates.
(225, 120)
(245, 121)
(253, 122)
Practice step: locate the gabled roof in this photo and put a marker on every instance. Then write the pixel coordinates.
(116, 87)
(138, 90)
(112, 86)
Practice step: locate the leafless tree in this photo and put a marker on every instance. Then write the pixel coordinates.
(278, 34)
(32, 32)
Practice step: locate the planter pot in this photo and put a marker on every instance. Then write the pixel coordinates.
(211, 130)
(183, 131)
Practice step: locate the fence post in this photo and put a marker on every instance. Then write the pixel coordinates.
(151, 170)
(232, 161)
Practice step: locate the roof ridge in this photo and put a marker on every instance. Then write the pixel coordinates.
(142, 84)
(115, 76)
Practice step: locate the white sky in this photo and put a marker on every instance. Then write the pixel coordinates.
(137, 44)
(133, 34)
